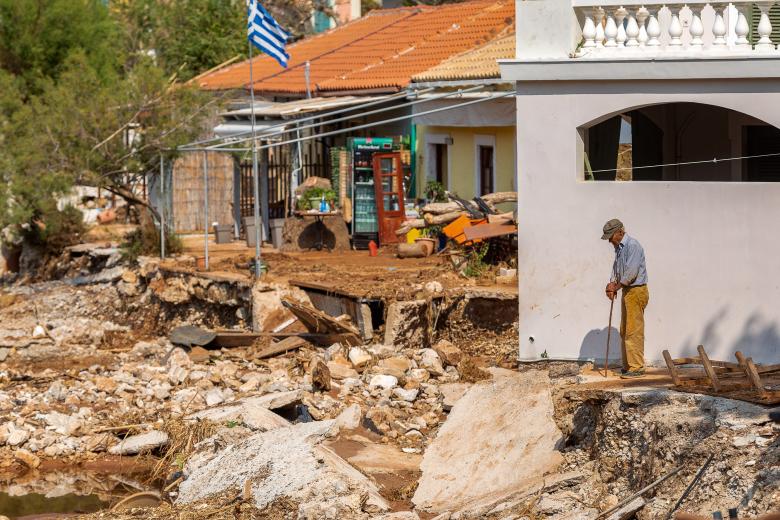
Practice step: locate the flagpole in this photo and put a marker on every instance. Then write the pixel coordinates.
(254, 167)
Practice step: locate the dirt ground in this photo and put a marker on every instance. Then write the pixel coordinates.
(354, 272)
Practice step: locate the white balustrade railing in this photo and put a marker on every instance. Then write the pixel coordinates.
(611, 28)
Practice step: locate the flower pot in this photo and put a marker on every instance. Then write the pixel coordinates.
(315, 203)
(428, 243)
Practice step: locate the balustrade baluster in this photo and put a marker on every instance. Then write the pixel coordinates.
(610, 31)
(621, 38)
(719, 27)
(641, 18)
(765, 28)
(696, 29)
(653, 27)
(599, 13)
(742, 28)
(675, 27)
(632, 31)
(589, 31)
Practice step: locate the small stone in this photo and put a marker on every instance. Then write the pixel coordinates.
(341, 371)
(383, 381)
(434, 287)
(750, 463)
(419, 374)
(742, 441)
(349, 418)
(105, 384)
(62, 423)
(359, 358)
(27, 458)
(139, 443)
(400, 363)
(16, 436)
(414, 435)
(449, 353)
(214, 397)
(39, 332)
(129, 277)
(320, 375)
(4, 353)
(430, 361)
(406, 395)
(199, 355)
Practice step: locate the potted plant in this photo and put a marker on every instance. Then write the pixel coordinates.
(435, 192)
(428, 239)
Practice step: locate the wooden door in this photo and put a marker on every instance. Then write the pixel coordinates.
(389, 189)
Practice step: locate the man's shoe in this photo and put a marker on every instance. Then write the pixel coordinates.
(632, 375)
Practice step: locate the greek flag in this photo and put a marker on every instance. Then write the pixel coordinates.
(265, 34)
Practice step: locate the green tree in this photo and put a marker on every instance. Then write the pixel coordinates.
(37, 36)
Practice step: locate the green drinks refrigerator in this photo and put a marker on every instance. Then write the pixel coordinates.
(365, 223)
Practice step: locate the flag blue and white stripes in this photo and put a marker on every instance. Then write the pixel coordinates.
(265, 34)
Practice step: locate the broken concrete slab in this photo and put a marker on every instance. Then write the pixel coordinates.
(286, 462)
(406, 323)
(104, 276)
(254, 412)
(499, 436)
(451, 393)
(628, 510)
(136, 444)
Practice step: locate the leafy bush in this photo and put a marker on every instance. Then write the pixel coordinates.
(145, 240)
(55, 230)
(435, 192)
(476, 265)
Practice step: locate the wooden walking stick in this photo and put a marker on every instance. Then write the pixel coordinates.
(609, 334)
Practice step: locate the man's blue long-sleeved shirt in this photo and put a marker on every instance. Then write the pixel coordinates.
(629, 268)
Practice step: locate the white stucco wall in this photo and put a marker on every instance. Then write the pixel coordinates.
(712, 254)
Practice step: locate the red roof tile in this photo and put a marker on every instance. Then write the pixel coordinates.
(382, 50)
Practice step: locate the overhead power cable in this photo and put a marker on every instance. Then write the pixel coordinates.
(362, 114)
(312, 117)
(355, 128)
(714, 160)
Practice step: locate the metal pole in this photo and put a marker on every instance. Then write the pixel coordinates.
(162, 208)
(306, 72)
(206, 207)
(254, 167)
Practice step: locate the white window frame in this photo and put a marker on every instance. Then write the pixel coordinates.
(483, 140)
(430, 171)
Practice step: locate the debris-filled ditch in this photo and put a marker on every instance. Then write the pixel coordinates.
(320, 399)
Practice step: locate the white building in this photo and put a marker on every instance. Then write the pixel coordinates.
(663, 91)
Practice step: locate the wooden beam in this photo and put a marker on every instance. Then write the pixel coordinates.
(672, 368)
(751, 373)
(289, 343)
(705, 361)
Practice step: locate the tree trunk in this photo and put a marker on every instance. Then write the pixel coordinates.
(440, 208)
(446, 218)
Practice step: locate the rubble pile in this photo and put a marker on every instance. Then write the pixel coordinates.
(415, 422)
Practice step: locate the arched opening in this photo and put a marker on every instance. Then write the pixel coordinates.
(681, 142)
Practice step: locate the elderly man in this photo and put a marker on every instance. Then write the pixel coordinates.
(629, 273)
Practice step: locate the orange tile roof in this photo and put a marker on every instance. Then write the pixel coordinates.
(480, 63)
(382, 50)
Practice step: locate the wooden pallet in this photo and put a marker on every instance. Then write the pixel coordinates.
(743, 380)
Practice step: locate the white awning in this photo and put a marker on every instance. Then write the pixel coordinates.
(242, 128)
(291, 109)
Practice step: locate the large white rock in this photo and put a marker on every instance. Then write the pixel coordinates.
(383, 381)
(359, 357)
(139, 443)
(349, 418)
(254, 412)
(431, 362)
(498, 437)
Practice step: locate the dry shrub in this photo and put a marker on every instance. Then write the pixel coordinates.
(470, 372)
(182, 438)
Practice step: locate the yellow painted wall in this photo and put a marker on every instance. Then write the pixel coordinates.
(462, 169)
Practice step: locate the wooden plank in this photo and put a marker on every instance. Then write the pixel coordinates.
(671, 367)
(705, 361)
(484, 231)
(750, 371)
(289, 343)
(321, 323)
